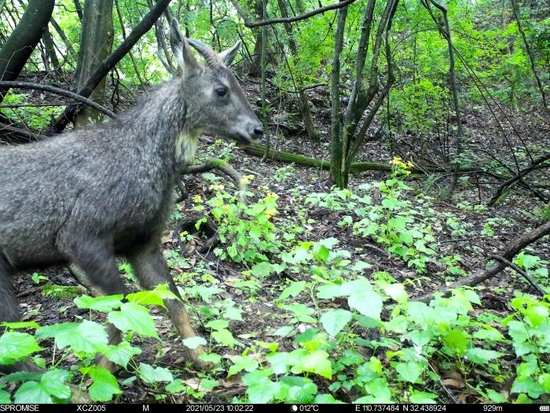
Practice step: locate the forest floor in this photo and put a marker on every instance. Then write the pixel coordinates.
(458, 228)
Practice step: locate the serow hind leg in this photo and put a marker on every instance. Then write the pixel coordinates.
(97, 261)
(152, 270)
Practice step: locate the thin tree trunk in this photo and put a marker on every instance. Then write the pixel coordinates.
(446, 32)
(304, 101)
(50, 54)
(336, 155)
(530, 55)
(95, 46)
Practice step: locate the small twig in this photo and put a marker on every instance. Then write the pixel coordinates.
(530, 279)
(21, 132)
(304, 16)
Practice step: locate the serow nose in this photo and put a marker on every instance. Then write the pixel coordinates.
(258, 132)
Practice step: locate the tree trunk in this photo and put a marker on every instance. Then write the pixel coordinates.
(336, 151)
(367, 93)
(304, 101)
(95, 46)
(24, 38)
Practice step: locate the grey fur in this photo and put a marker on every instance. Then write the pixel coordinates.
(86, 196)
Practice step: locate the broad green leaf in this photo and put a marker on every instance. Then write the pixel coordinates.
(496, 397)
(152, 297)
(333, 321)
(527, 384)
(326, 399)
(544, 381)
(5, 397)
(217, 324)
(322, 253)
(206, 293)
(410, 371)
(397, 292)
(134, 317)
(315, 362)
(54, 382)
(300, 256)
(421, 397)
(233, 313)
(176, 386)
(211, 358)
(193, 342)
(457, 341)
(348, 288)
(32, 392)
(105, 385)
(461, 301)
(380, 391)
(421, 313)
(103, 303)
(122, 353)
(209, 384)
(301, 312)
(16, 346)
(536, 315)
(150, 374)
(391, 203)
(367, 302)
(420, 337)
(331, 291)
(242, 363)
(488, 333)
(406, 237)
(482, 356)
(225, 337)
(398, 224)
(300, 390)
(295, 288)
(261, 389)
(263, 394)
(280, 362)
(285, 331)
(86, 337)
(328, 242)
(52, 385)
(262, 269)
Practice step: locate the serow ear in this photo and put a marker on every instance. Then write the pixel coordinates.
(228, 55)
(181, 50)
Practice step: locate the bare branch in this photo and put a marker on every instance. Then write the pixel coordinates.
(304, 16)
(513, 249)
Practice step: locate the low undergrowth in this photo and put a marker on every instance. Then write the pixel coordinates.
(345, 330)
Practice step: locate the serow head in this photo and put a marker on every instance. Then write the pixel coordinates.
(215, 100)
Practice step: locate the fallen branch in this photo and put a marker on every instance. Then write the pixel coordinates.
(536, 164)
(260, 150)
(513, 249)
(529, 279)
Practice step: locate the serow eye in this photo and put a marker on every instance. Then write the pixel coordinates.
(221, 91)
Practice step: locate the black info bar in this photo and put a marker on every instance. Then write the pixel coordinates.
(290, 408)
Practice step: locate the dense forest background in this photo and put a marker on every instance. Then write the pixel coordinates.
(388, 241)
